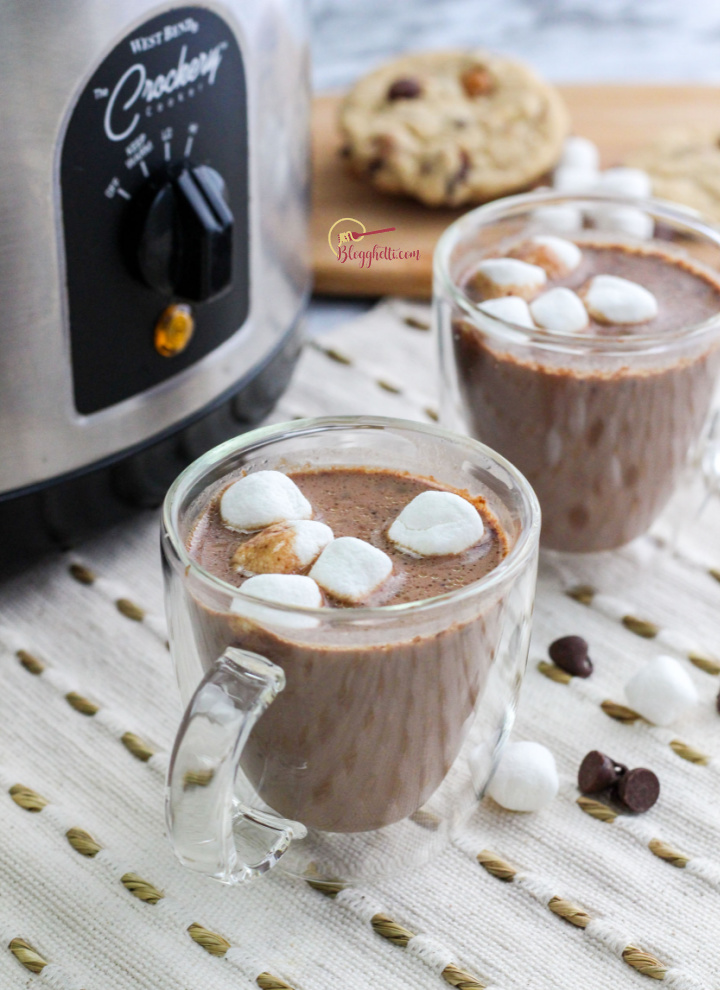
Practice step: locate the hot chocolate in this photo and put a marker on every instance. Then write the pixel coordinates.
(363, 504)
(601, 434)
(366, 729)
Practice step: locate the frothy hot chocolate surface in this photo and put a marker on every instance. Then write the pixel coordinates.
(685, 294)
(364, 503)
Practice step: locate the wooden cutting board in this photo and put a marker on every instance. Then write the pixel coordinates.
(619, 118)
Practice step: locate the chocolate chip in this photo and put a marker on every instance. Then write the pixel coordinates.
(717, 702)
(638, 789)
(477, 81)
(404, 89)
(570, 653)
(461, 173)
(597, 771)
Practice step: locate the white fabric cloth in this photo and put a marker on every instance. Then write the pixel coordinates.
(75, 912)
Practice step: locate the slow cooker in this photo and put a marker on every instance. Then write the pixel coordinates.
(153, 263)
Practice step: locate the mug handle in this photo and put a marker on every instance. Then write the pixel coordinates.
(710, 461)
(204, 817)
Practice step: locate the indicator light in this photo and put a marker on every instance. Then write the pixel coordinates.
(174, 330)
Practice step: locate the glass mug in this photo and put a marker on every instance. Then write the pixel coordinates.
(604, 426)
(346, 743)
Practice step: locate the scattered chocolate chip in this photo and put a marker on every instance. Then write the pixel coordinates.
(717, 702)
(597, 771)
(638, 789)
(374, 164)
(570, 653)
(404, 89)
(345, 151)
(477, 81)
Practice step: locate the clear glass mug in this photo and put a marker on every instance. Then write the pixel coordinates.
(602, 427)
(345, 743)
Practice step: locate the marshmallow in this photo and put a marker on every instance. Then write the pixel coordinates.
(624, 220)
(350, 569)
(526, 778)
(625, 182)
(611, 299)
(560, 310)
(280, 589)
(555, 255)
(508, 277)
(559, 219)
(661, 690)
(572, 179)
(513, 309)
(284, 548)
(437, 523)
(580, 152)
(261, 499)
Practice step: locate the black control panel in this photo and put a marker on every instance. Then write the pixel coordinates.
(154, 194)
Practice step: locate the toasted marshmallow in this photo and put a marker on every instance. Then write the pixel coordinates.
(661, 691)
(624, 220)
(558, 218)
(580, 152)
(283, 548)
(510, 308)
(611, 299)
(561, 310)
(261, 499)
(526, 778)
(279, 589)
(625, 181)
(350, 569)
(436, 523)
(573, 179)
(508, 277)
(555, 255)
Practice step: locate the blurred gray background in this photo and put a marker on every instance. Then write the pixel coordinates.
(566, 40)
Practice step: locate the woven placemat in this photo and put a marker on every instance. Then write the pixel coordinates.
(570, 897)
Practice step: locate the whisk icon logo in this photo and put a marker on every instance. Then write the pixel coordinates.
(346, 232)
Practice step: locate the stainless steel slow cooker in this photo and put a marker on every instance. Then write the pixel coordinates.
(153, 265)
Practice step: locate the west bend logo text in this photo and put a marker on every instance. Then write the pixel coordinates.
(347, 232)
(134, 85)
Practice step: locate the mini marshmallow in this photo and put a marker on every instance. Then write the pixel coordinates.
(437, 523)
(625, 181)
(624, 220)
(283, 548)
(661, 690)
(508, 277)
(279, 589)
(261, 499)
(555, 255)
(560, 310)
(580, 152)
(526, 778)
(558, 219)
(572, 179)
(350, 569)
(611, 299)
(510, 308)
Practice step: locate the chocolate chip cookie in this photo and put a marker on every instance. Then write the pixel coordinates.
(684, 166)
(453, 127)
